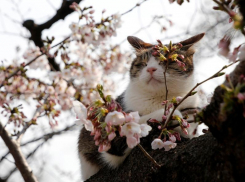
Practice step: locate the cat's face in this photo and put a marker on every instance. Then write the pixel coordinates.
(149, 70)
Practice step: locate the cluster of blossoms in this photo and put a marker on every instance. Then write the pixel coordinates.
(238, 52)
(168, 137)
(15, 114)
(106, 119)
(41, 62)
(230, 8)
(169, 53)
(92, 32)
(84, 67)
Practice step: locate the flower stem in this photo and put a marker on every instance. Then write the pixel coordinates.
(198, 84)
(148, 156)
(166, 87)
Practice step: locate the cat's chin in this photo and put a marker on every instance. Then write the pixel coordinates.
(154, 84)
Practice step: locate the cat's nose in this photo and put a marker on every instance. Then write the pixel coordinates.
(151, 70)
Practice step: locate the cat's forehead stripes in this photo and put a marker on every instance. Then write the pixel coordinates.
(173, 69)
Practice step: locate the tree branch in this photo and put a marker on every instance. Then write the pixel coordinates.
(36, 30)
(20, 160)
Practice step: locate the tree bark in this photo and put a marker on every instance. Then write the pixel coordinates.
(19, 158)
(36, 30)
(216, 156)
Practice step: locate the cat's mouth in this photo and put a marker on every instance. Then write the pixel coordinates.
(153, 80)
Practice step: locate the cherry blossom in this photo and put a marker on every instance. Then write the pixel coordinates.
(134, 117)
(157, 144)
(130, 129)
(169, 145)
(81, 113)
(145, 128)
(132, 141)
(115, 118)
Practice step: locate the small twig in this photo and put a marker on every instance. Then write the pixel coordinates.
(189, 93)
(148, 156)
(45, 137)
(176, 125)
(166, 87)
(138, 4)
(28, 124)
(34, 59)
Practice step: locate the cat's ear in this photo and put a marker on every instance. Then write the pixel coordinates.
(191, 41)
(138, 44)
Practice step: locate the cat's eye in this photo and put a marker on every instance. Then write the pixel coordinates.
(139, 65)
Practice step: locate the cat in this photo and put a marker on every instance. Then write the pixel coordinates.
(145, 94)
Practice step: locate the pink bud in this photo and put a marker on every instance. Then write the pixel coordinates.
(111, 136)
(172, 138)
(91, 11)
(178, 99)
(164, 118)
(241, 96)
(100, 149)
(97, 134)
(97, 142)
(181, 56)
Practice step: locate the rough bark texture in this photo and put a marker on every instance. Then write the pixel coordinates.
(36, 30)
(20, 160)
(216, 156)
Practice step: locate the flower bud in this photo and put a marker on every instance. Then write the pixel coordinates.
(174, 57)
(181, 56)
(193, 93)
(155, 54)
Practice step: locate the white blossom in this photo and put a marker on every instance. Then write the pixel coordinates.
(157, 144)
(131, 128)
(81, 114)
(241, 53)
(115, 118)
(169, 145)
(145, 128)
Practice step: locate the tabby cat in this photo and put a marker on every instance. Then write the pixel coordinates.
(145, 94)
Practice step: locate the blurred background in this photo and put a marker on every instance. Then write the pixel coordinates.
(52, 151)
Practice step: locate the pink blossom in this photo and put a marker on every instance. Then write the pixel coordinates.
(224, 46)
(50, 90)
(145, 128)
(172, 138)
(115, 118)
(169, 145)
(233, 56)
(61, 86)
(134, 116)
(132, 141)
(97, 134)
(71, 91)
(185, 123)
(157, 144)
(131, 128)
